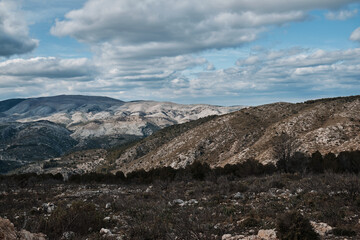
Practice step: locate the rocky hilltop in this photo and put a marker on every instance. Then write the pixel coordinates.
(325, 125)
(41, 128)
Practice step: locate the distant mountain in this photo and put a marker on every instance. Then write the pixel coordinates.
(34, 108)
(7, 104)
(21, 143)
(87, 122)
(326, 125)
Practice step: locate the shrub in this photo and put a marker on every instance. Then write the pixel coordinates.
(79, 218)
(50, 164)
(293, 226)
(199, 170)
(344, 232)
(316, 164)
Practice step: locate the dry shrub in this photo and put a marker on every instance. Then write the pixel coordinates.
(81, 218)
(293, 225)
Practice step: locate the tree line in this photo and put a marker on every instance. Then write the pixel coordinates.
(345, 162)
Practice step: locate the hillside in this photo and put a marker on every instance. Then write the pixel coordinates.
(21, 143)
(87, 122)
(326, 125)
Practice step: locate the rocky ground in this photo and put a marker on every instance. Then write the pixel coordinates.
(216, 208)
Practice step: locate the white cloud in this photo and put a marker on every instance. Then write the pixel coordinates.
(341, 15)
(144, 29)
(14, 34)
(148, 49)
(355, 35)
(47, 67)
(140, 43)
(292, 71)
(284, 70)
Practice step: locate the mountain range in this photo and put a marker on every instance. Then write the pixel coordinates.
(37, 129)
(161, 134)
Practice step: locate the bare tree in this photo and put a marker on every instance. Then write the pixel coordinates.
(283, 151)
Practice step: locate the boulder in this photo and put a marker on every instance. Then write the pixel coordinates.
(8, 232)
(268, 234)
(321, 228)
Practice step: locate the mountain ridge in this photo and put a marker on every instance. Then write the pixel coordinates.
(325, 125)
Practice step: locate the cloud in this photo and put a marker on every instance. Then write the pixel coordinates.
(341, 15)
(142, 51)
(47, 67)
(138, 45)
(355, 35)
(14, 34)
(143, 29)
(294, 71)
(288, 70)
(44, 76)
(35, 76)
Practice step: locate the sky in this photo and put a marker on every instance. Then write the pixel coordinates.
(222, 52)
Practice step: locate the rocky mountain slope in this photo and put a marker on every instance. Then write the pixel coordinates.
(21, 143)
(40, 128)
(327, 125)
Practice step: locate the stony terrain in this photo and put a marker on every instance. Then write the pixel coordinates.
(216, 208)
(326, 125)
(79, 162)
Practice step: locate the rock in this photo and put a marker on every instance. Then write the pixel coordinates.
(149, 189)
(178, 201)
(8, 232)
(226, 236)
(48, 207)
(192, 202)
(68, 236)
(238, 195)
(321, 228)
(105, 231)
(108, 205)
(26, 235)
(182, 203)
(235, 237)
(107, 219)
(268, 234)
